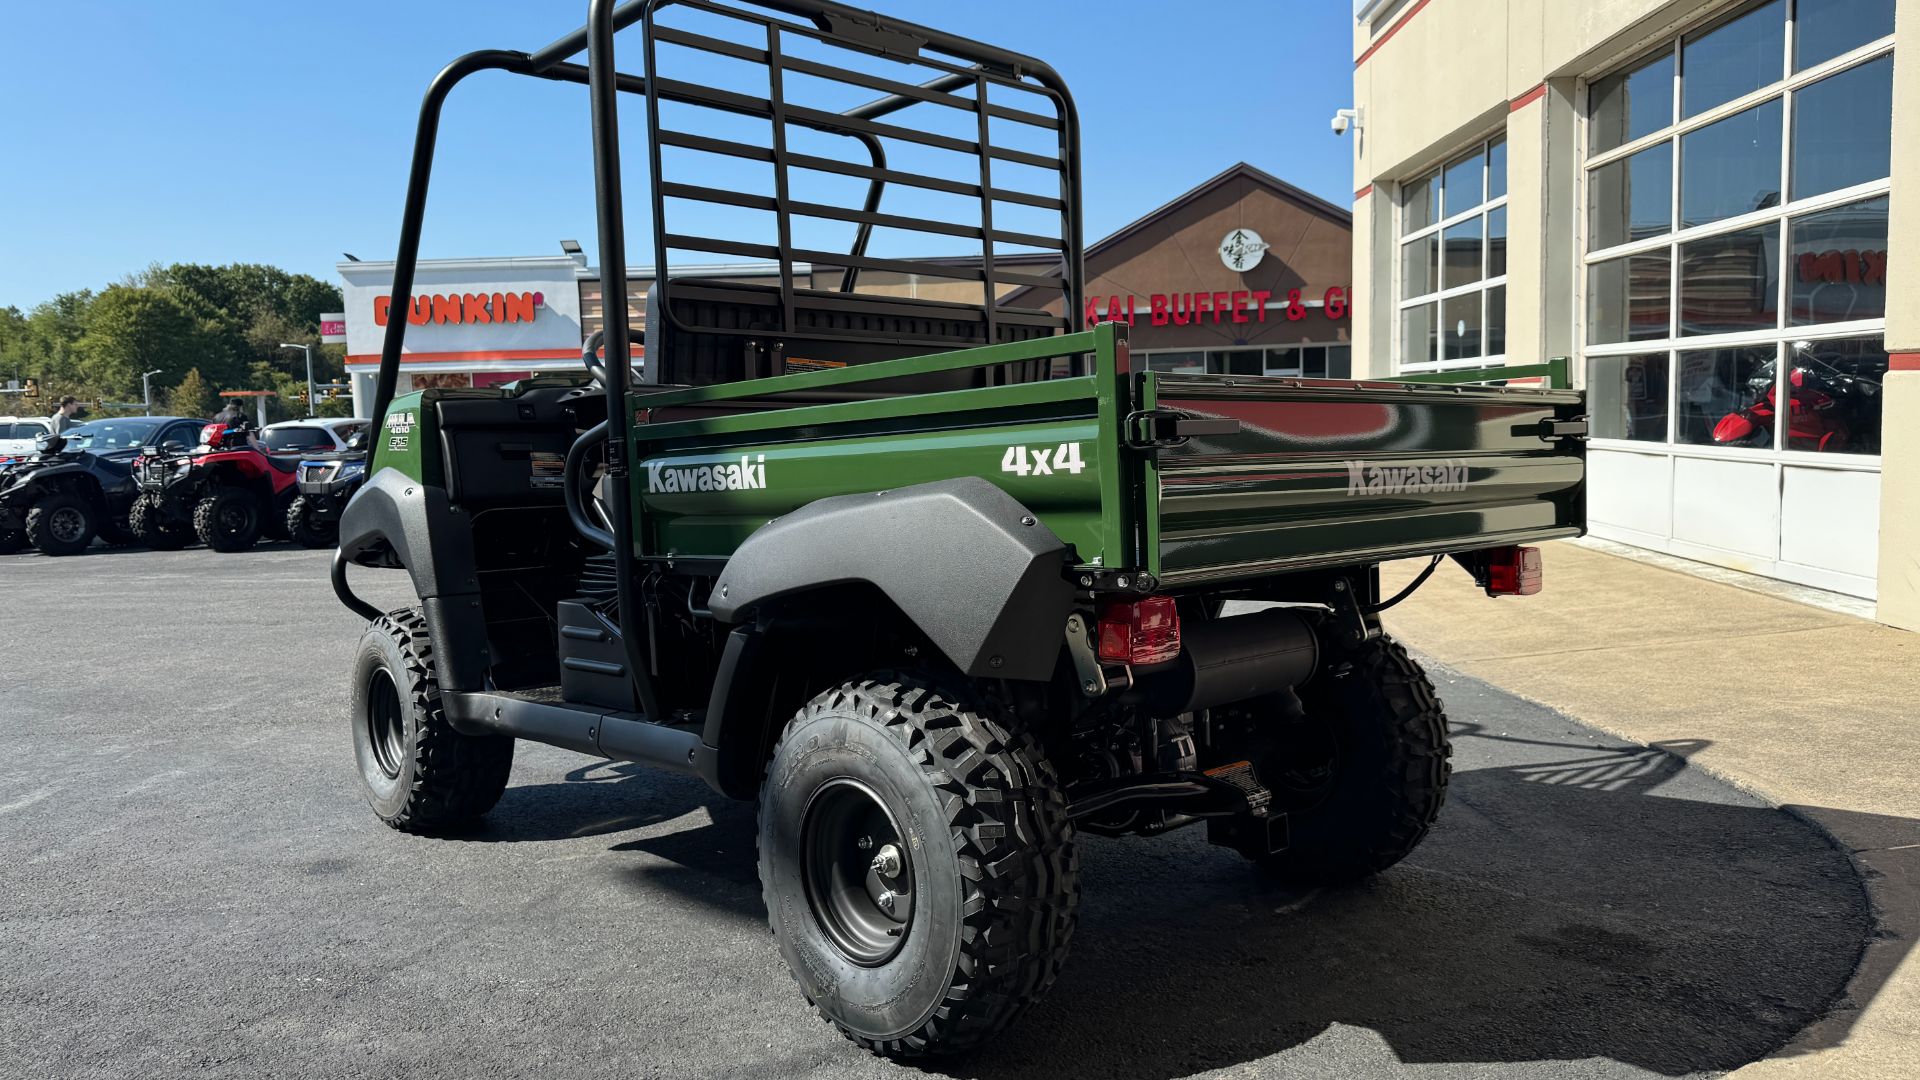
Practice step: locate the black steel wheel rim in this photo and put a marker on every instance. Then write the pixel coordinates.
(386, 724)
(235, 517)
(857, 871)
(67, 525)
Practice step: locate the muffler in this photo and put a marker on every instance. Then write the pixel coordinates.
(1233, 659)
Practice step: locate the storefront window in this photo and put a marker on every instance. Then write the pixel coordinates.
(1753, 215)
(1717, 385)
(1289, 361)
(1824, 29)
(1729, 282)
(1836, 387)
(1630, 298)
(1731, 167)
(1627, 398)
(1178, 363)
(1632, 103)
(1842, 130)
(1631, 198)
(1735, 58)
(1453, 258)
(1839, 265)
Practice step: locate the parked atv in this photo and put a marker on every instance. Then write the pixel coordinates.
(80, 485)
(228, 492)
(326, 482)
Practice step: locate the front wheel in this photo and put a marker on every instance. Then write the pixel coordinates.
(918, 865)
(1366, 774)
(62, 525)
(420, 774)
(305, 531)
(147, 521)
(227, 519)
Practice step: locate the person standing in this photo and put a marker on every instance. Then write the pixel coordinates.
(66, 415)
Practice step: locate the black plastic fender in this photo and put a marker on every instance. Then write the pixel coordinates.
(429, 538)
(977, 572)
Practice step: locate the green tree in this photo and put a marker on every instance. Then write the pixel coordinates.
(131, 330)
(193, 397)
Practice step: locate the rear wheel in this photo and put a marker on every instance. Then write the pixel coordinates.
(62, 525)
(305, 531)
(420, 774)
(227, 519)
(1366, 775)
(918, 866)
(150, 526)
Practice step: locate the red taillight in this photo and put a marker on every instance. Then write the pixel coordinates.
(1514, 571)
(1139, 631)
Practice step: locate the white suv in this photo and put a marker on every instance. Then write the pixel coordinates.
(311, 436)
(19, 434)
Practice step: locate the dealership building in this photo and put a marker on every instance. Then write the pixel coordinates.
(1695, 200)
(1245, 274)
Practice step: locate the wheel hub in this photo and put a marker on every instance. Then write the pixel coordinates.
(386, 724)
(67, 525)
(858, 871)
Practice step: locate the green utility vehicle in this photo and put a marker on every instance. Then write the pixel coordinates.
(943, 580)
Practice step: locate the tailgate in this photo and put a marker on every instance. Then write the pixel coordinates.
(1335, 473)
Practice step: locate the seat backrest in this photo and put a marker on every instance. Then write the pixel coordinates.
(723, 331)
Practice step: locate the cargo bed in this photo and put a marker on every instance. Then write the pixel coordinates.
(1190, 478)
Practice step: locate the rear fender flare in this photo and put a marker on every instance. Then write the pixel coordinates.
(394, 518)
(965, 562)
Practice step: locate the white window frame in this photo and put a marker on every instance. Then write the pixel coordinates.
(1781, 216)
(1438, 298)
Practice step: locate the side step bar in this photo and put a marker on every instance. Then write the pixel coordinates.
(587, 729)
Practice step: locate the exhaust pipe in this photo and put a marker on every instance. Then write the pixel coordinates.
(1233, 659)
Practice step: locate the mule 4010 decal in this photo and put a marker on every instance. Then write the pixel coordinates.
(1043, 460)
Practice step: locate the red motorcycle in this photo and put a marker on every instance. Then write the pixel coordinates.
(1828, 409)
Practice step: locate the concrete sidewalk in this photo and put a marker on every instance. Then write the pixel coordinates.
(1816, 711)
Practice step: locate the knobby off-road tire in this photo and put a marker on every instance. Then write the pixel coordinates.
(150, 527)
(227, 519)
(62, 525)
(992, 870)
(309, 534)
(421, 775)
(1390, 768)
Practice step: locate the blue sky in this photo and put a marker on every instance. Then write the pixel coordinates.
(236, 131)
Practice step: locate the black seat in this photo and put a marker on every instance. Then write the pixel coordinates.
(285, 463)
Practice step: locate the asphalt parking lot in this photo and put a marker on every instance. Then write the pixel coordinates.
(193, 887)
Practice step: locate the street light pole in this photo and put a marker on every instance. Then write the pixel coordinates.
(146, 390)
(308, 349)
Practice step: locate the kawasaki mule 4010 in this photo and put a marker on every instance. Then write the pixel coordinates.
(937, 576)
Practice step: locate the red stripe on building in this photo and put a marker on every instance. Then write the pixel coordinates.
(1363, 193)
(1527, 98)
(1904, 361)
(1391, 30)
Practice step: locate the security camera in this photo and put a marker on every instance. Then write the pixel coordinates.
(1344, 119)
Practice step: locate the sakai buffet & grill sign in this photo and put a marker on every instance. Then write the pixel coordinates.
(1237, 306)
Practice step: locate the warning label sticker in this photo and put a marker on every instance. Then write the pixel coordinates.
(549, 469)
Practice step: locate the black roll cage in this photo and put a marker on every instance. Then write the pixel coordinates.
(824, 20)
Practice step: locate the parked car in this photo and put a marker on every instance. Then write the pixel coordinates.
(81, 484)
(19, 434)
(310, 436)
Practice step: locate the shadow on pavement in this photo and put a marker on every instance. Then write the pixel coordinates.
(1584, 901)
